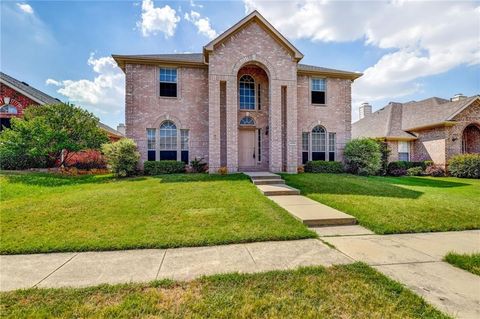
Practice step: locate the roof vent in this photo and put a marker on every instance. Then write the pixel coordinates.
(365, 110)
(458, 97)
(25, 83)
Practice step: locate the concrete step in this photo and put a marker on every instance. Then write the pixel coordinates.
(277, 190)
(262, 175)
(268, 181)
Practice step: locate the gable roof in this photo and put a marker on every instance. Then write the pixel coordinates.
(27, 90)
(397, 120)
(257, 17)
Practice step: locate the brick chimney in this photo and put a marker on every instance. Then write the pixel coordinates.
(458, 97)
(365, 110)
(121, 128)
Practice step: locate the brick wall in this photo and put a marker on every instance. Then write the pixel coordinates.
(17, 99)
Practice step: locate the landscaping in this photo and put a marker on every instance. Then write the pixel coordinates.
(349, 291)
(468, 262)
(397, 204)
(44, 212)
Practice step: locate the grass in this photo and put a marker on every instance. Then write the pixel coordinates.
(51, 213)
(468, 262)
(348, 291)
(397, 204)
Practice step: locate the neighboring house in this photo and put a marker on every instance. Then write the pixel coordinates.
(16, 95)
(244, 103)
(433, 129)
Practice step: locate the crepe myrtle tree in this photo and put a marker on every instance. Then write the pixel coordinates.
(53, 133)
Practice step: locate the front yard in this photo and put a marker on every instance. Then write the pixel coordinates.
(47, 213)
(397, 204)
(350, 291)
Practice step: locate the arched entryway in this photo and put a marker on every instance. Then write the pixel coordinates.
(471, 139)
(253, 107)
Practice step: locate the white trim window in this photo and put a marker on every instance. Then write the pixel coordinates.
(318, 91)
(184, 145)
(168, 141)
(246, 92)
(332, 146)
(305, 147)
(247, 121)
(319, 143)
(168, 82)
(403, 151)
(151, 141)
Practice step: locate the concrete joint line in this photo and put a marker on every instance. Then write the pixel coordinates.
(409, 247)
(161, 264)
(68, 260)
(250, 254)
(326, 243)
(409, 263)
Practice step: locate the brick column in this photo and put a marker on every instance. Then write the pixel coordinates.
(292, 132)
(275, 126)
(232, 124)
(213, 123)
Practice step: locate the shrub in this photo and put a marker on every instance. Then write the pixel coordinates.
(405, 165)
(198, 165)
(435, 171)
(223, 170)
(385, 151)
(465, 166)
(88, 160)
(398, 172)
(163, 167)
(363, 156)
(122, 157)
(415, 171)
(323, 167)
(300, 169)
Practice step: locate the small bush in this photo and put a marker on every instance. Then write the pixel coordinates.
(300, 169)
(465, 166)
(435, 171)
(223, 170)
(385, 151)
(415, 171)
(86, 160)
(323, 167)
(405, 165)
(122, 157)
(163, 167)
(198, 165)
(363, 156)
(398, 172)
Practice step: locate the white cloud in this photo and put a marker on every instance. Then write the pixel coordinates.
(105, 94)
(25, 8)
(156, 20)
(202, 24)
(193, 4)
(423, 38)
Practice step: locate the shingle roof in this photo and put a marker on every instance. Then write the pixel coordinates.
(396, 120)
(36, 95)
(313, 68)
(109, 129)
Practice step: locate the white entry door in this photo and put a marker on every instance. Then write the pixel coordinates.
(246, 148)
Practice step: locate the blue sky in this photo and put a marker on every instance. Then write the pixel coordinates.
(408, 51)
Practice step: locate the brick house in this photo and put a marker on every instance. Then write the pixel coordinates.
(244, 103)
(16, 96)
(433, 129)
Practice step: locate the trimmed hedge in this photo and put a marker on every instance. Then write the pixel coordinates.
(465, 166)
(323, 167)
(395, 167)
(163, 167)
(415, 171)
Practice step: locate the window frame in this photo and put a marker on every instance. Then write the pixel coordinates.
(407, 143)
(254, 90)
(247, 124)
(311, 91)
(160, 81)
(151, 139)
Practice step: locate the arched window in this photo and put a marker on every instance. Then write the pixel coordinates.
(247, 120)
(9, 109)
(168, 141)
(319, 135)
(247, 93)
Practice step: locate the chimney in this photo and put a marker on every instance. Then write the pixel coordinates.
(365, 110)
(458, 97)
(121, 128)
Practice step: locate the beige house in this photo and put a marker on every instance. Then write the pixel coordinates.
(245, 103)
(433, 129)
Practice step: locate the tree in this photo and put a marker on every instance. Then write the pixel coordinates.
(363, 156)
(47, 131)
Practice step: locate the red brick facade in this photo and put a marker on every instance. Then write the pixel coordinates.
(14, 98)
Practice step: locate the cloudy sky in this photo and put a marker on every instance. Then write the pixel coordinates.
(407, 50)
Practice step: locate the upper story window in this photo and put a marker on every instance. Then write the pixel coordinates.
(247, 93)
(318, 88)
(168, 82)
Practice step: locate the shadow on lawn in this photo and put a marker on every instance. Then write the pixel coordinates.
(423, 182)
(55, 180)
(199, 177)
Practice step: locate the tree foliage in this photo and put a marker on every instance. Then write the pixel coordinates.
(122, 157)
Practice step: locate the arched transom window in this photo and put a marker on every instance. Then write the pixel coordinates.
(247, 93)
(319, 143)
(9, 109)
(247, 120)
(168, 136)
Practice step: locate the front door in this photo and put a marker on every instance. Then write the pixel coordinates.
(246, 148)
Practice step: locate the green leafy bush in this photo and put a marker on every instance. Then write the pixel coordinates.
(435, 171)
(398, 172)
(122, 157)
(363, 156)
(323, 167)
(385, 151)
(465, 166)
(163, 167)
(415, 171)
(198, 165)
(395, 166)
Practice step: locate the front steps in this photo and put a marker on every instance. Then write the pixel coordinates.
(310, 212)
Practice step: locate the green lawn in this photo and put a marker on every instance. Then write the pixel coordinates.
(46, 213)
(468, 262)
(349, 291)
(397, 204)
